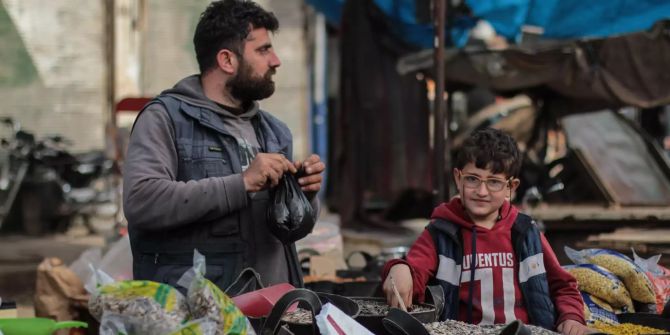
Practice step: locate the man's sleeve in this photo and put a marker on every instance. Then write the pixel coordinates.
(563, 287)
(152, 198)
(422, 261)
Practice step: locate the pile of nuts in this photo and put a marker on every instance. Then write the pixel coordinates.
(139, 308)
(457, 328)
(377, 307)
(300, 316)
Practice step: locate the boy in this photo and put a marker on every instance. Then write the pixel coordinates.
(492, 262)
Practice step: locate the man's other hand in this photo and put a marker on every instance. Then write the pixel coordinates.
(265, 170)
(311, 181)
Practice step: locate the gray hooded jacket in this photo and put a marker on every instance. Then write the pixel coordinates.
(183, 189)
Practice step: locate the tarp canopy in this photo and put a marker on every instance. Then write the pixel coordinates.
(556, 19)
(570, 19)
(627, 70)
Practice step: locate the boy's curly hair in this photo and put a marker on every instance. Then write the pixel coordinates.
(491, 149)
(226, 24)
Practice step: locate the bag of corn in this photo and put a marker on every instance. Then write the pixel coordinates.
(206, 300)
(601, 283)
(638, 284)
(154, 304)
(597, 311)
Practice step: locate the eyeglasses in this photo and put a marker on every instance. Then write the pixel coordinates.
(493, 184)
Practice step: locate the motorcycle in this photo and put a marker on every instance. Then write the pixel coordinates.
(47, 188)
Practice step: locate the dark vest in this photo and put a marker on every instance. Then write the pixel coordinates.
(532, 274)
(231, 243)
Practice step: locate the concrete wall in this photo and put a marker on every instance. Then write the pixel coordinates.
(290, 101)
(53, 73)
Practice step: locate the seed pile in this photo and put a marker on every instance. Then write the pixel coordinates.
(462, 328)
(628, 328)
(145, 309)
(374, 307)
(300, 316)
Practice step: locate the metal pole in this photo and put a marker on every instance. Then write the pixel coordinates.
(110, 58)
(440, 119)
(449, 182)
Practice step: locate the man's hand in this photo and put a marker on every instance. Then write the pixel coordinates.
(572, 327)
(402, 276)
(311, 181)
(266, 170)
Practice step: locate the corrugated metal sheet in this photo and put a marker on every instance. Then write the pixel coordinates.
(627, 166)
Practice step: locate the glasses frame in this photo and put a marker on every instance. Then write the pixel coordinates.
(507, 182)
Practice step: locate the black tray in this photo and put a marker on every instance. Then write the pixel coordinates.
(434, 303)
(265, 324)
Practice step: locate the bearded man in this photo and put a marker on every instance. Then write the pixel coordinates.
(202, 157)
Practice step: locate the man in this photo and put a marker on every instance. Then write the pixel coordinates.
(202, 157)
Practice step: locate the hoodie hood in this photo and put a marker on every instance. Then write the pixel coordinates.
(190, 91)
(454, 211)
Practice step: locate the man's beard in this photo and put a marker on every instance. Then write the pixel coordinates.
(246, 88)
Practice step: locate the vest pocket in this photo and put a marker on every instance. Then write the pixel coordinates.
(217, 168)
(226, 226)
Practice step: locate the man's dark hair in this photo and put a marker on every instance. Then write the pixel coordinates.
(226, 24)
(493, 149)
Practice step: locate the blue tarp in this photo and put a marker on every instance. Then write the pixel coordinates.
(571, 19)
(559, 19)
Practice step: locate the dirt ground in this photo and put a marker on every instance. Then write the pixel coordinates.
(20, 255)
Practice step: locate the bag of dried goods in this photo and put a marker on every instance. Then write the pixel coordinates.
(597, 311)
(601, 283)
(154, 304)
(206, 300)
(638, 284)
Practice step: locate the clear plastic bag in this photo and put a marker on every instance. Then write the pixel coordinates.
(601, 283)
(290, 215)
(637, 283)
(153, 304)
(597, 311)
(206, 300)
(116, 324)
(197, 327)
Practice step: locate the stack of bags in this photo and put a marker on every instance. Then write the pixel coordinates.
(611, 283)
(144, 307)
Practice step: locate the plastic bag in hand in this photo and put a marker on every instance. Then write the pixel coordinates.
(290, 215)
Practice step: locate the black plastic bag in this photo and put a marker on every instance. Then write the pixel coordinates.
(290, 215)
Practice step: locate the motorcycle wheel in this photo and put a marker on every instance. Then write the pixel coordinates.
(31, 213)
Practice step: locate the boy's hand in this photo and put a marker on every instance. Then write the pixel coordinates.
(402, 276)
(572, 327)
